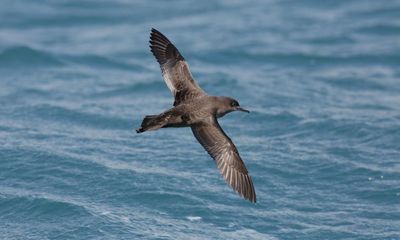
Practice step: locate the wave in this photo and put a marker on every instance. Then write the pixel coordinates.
(380, 29)
(97, 61)
(303, 58)
(33, 205)
(331, 128)
(26, 57)
(22, 56)
(273, 124)
(137, 88)
(74, 117)
(355, 84)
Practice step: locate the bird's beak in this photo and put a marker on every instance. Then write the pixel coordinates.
(242, 109)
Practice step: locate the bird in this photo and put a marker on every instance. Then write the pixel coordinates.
(194, 108)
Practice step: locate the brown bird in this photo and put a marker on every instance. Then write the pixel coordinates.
(196, 109)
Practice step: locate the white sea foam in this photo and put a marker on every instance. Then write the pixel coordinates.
(193, 218)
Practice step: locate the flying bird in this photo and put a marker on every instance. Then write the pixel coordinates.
(196, 109)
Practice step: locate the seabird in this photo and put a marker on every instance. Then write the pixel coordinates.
(196, 109)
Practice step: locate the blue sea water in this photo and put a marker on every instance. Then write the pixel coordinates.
(322, 141)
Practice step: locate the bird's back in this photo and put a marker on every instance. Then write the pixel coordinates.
(199, 108)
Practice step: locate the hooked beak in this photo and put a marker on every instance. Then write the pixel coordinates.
(242, 109)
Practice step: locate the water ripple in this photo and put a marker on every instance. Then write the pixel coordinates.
(26, 57)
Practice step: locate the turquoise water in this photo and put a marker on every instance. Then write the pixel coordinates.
(322, 141)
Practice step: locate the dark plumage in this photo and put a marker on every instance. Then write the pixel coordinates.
(196, 109)
(162, 48)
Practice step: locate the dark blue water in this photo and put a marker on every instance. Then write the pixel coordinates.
(322, 141)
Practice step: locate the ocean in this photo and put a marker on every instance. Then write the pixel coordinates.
(322, 141)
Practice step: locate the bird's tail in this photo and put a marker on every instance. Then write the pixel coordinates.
(151, 122)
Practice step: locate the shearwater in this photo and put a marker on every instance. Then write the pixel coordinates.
(196, 109)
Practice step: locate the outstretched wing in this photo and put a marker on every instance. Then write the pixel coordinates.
(223, 151)
(174, 69)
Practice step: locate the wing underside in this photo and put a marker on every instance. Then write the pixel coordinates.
(224, 152)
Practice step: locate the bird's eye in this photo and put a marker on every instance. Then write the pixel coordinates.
(234, 104)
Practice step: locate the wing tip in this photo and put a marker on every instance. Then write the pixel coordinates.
(252, 198)
(251, 191)
(162, 48)
(153, 30)
(243, 185)
(158, 37)
(248, 191)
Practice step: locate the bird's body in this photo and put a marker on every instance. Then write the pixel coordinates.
(196, 109)
(191, 112)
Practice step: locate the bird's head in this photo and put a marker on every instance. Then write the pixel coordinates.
(228, 105)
